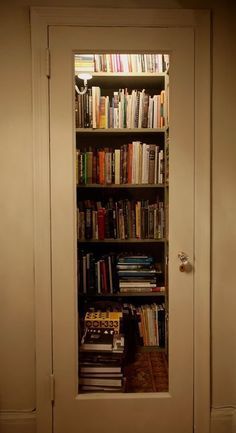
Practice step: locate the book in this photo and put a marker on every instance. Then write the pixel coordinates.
(97, 339)
(138, 273)
(101, 223)
(115, 382)
(101, 369)
(100, 388)
(101, 375)
(103, 319)
(102, 113)
(132, 266)
(132, 283)
(101, 170)
(141, 289)
(151, 165)
(108, 167)
(117, 166)
(106, 359)
(88, 223)
(89, 166)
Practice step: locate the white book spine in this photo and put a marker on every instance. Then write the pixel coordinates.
(150, 112)
(128, 110)
(156, 165)
(137, 162)
(155, 122)
(143, 162)
(160, 63)
(160, 166)
(107, 107)
(140, 114)
(134, 98)
(134, 163)
(146, 165)
(94, 123)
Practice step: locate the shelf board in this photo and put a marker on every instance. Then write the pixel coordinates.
(125, 74)
(139, 80)
(122, 185)
(121, 295)
(82, 241)
(121, 130)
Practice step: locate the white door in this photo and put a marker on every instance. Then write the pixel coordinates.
(166, 412)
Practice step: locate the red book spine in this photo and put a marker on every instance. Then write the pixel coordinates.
(104, 276)
(101, 223)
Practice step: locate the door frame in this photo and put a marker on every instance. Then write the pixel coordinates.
(199, 20)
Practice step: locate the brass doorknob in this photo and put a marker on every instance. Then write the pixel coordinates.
(185, 265)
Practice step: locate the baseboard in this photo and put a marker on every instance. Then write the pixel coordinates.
(16, 422)
(223, 420)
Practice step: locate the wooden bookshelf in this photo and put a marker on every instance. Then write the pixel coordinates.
(114, 138)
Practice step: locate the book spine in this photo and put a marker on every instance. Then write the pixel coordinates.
(101, 164)
(117, 166)
(101, 223)
(108, 167)
(89, 167)
(151, 168)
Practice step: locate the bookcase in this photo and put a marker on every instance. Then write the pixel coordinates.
(122, 152)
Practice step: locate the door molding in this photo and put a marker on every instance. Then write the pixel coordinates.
(199, 20)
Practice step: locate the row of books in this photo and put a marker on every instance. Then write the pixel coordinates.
(133, 163)
(152, 63)
(137, 109)
(150, 321)
(108, 274)
(97, 276)
(123, 219)
(101, 361)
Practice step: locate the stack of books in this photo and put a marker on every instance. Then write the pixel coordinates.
(138, 274)
(101, 361)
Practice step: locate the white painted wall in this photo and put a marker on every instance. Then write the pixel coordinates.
(17, 372)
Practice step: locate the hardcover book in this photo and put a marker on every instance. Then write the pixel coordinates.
(115, 382)
(97, 339)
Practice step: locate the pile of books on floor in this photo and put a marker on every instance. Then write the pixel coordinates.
(138, 274)
(101, 361)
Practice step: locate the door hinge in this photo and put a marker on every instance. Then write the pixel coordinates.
(48, 63)
(52, 387)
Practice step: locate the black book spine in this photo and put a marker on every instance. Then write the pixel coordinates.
(88, 223)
